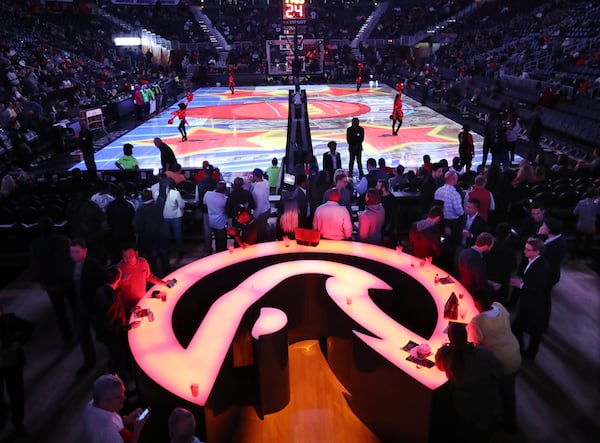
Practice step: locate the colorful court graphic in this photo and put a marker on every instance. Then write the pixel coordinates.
(241, 131)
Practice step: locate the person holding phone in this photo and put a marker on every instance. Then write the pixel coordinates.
(101, 420)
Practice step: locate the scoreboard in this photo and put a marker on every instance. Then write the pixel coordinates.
(293, 12)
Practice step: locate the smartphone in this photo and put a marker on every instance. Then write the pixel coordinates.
(143, 414)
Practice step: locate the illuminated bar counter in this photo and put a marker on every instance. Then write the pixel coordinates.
(240, 309)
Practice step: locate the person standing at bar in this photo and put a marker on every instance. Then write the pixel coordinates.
(491, 328)
(533, 315)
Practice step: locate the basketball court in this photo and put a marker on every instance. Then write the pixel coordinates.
(241, 131)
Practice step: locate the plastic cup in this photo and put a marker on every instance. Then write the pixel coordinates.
(348, 300)
(163, 297)
(230, 248)
(399, 249)
(194, 388)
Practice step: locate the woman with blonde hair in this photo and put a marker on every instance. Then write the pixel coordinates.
(288, 220)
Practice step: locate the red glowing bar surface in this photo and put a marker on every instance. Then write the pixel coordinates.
(157, 351)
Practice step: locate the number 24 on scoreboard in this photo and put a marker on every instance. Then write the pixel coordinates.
(294, 9)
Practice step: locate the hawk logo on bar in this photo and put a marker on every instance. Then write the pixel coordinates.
(161, 355)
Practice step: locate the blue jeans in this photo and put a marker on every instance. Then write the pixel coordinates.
(174, 225)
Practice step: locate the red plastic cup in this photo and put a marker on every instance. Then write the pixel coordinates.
(194, 388)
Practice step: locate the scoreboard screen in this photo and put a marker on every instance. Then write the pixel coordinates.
(293, 12)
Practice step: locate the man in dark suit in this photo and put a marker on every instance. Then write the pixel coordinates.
(87, 276)
(332, 160)
(555, 247)
(531, 226)
(533, 315)
(473, 223)
(501, 262)
(355, 135)
(472, 270)
(301, 197)
(150, 226)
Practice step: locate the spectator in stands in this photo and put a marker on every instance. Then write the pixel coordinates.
(182, 426)
(587, 212)
(386, 169)
(14, 333)
(561, 167)
(355, 135)
(332, 220)
(372, 220)
(23, 153)
(127, 162)
(398, 180)
(215, 202)
(176, 174)
(593, 165)
(370, 179)
(525, 174)
(260, 193)
(101, 421)
(86, 146)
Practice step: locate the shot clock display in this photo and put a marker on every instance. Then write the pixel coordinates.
(294, 12)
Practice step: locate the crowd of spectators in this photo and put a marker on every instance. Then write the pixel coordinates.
(461, 211)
